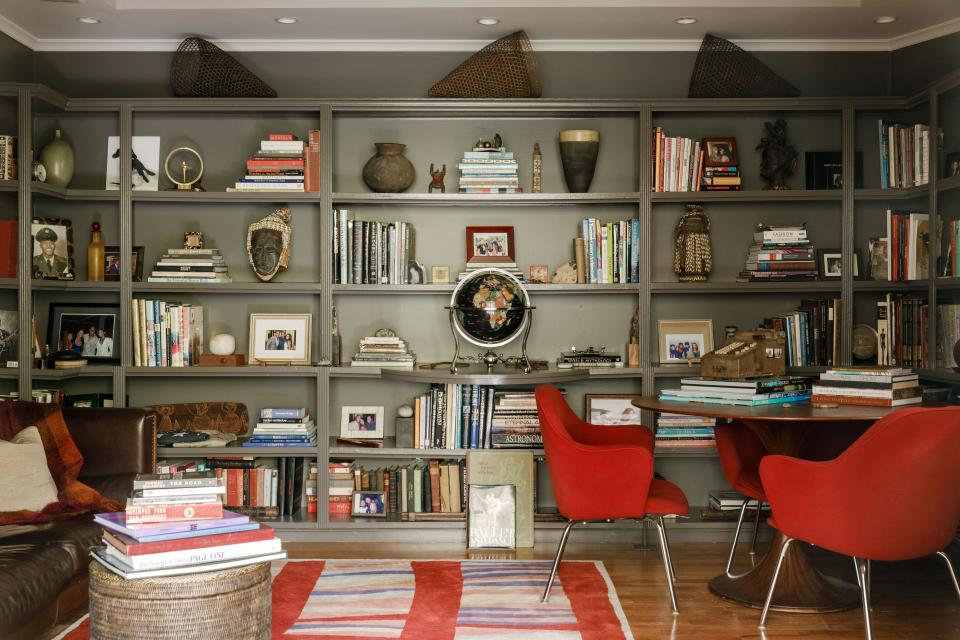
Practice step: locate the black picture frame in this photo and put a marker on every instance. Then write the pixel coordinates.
(827, 258)
(71, 317)
(112, 253)
(823, 170)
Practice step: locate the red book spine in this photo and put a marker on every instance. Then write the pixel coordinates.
(173, 512)
(236, 537)
(340, 508)
(280, 136)
(312, 162)
(276, 163)
(233, 484)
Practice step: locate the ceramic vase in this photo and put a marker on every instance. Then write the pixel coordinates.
(578, 153)
(389, 171)
(95, 255)
(57, 159)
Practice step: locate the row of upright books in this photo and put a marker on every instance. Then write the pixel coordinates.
(8, 157)
(434, 486)
(283, 427)
(371, 251)
(904, 155)
(812, 332)
(677, 163)
(779, 253)
(902, 331)
(191, 265)
(489, 170)
(166, 334)
(283, 163)
(611, 250)
(175, 524)
(675, 430)
(869, 386)
(908, 235)
(465, 416)
(748, 392)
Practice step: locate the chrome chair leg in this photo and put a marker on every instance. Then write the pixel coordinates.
(856, 571)
(673, 571)
(773, 583)
(556, 561)
(953, 574)
(862, 569)
(736, 538)
(756, 528)
(667, 563)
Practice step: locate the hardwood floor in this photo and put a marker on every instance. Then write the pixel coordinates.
(911, 600)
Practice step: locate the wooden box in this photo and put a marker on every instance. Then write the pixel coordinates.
(211, 360)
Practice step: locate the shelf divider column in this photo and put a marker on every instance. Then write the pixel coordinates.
(847, 218)
(645, 212)
(326, 311)
(25, 243)
(933, 251)
(126, 248)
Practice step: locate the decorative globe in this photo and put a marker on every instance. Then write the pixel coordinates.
(490, 307)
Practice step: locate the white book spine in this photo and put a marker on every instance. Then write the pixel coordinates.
(196, 556)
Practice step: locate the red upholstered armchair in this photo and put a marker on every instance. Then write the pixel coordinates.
(893, 495)
(740, 452)
(603, 473)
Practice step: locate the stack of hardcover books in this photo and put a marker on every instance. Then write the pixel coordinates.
(340, 481)
(175, 524)
(675, 430)
(868, 386)
(747, 392)
(384, 351)
(279, 165)
(780, 253)
(191, 265)
(489, 170)
(284, 427)
(516, 422)
(720, 179)
(678, 163)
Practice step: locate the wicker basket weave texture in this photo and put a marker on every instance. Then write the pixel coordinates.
(234, 604)
(724, 70)
(201, 69)
(505, 68)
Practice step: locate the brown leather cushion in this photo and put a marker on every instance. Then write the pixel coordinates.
(112, 441)
(117, 487)
(31, 576)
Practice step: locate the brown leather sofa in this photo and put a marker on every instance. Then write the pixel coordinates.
(43, 568)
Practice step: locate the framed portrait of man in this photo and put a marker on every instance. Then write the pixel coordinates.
(52, 249)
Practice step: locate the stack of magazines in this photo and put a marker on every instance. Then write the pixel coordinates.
(175, 524)
(747, 392)
(284, 427)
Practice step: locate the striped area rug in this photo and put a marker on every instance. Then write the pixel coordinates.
(437, 600)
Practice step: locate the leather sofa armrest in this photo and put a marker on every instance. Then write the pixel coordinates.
(117, 487)
(112, 441)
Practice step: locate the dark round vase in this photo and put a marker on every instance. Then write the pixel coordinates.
(578, 153)
(389, 171)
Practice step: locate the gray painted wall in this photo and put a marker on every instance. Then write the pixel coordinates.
(16, 61)
(911, 68)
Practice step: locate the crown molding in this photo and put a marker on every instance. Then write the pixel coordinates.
(927, 33)
(18, 33)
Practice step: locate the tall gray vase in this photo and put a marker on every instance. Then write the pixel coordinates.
(57, 159)
(578, 153)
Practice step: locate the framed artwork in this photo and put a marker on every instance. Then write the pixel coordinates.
(52, 249)
(539, 274)
(720, 152)
(280, 338)
(490, 245)
(111, 263)
(9, 336)
(611, 409)
(830, 263)
(492, 513)
(146, 163)
(824, 170)
(361, 422)
(877, 249)
(952, 166)
(683, 341)
(371, 504)
(440, 274)
(88, 329)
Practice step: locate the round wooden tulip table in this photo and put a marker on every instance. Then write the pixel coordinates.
(783, 429)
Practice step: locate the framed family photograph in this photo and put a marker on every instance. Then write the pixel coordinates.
(280, 338)
(611, 409)
(830, 263)
(683, 341)
(52, 249)
(89, 330)
(111, 263)
(369, 503)
(490, 245)
(365, 423)
(720, 152)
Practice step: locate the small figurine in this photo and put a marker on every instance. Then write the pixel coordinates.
(537, 185)
(565, 273)
(193, 240)
(436, 179)
(487, 144)
(778, 159)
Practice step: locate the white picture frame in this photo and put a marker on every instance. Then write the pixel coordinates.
(146, 174)
(361, 422)
(280, 338)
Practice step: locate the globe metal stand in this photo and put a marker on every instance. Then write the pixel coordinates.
(491, 358)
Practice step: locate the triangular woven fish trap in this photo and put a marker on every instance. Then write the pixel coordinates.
(506, 68)
(201, 69)
(724, 70)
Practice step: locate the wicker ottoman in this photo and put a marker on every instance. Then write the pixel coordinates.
(234, 604)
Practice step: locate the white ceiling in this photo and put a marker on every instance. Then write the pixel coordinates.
(430, 25)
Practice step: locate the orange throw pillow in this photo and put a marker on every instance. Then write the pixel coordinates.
(64, 461)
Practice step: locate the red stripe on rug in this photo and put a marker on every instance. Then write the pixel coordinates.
(81, 632)
(291, 589)
(587, 591)
(436, 601)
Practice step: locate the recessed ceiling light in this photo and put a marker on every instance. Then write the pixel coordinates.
(685, 20)
(288, 20)
(885, 19)
(88, 20)
(488, 22)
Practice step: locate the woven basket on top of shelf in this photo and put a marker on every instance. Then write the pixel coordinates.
(201, 69)
(506, 68)
(724, 70)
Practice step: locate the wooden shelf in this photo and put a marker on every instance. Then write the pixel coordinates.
(892, 194)
(262, 452)
(392, 521)
(884, 286)
(446, 289)
(474, 375)
(59, 193)
(301, 520)
(251, 371)
(228, 287)
(948, 184)
(948, 376)
(486, 199)
(223, 197)
(74, 285)
(9, 373)
(801, 286)
(89, 371)
(749, 195)
(9, 185)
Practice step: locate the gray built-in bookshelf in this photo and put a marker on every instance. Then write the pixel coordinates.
(227, 130)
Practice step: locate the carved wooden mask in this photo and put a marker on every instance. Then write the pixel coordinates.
(268, 244)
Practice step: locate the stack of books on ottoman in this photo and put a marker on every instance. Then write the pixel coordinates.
(384, 351)
(868, 386)
(749, 392)
(175, 524)
(191, 265)
(284, 427)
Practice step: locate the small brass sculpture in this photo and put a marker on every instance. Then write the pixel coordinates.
(436, 179)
